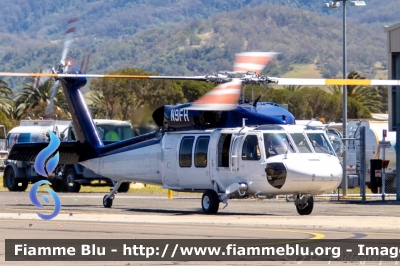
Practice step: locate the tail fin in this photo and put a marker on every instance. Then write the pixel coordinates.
(84, 128)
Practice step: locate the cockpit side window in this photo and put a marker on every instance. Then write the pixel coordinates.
(301, 143)
(277, 143)
(320, 143)
(251, 149)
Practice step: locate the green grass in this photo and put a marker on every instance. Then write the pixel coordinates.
(303, 71)
(149, 189)
(152, 189)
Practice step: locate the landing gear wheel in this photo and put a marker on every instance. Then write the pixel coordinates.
(210, 202)
(124, 187)
(107, 203)
(69, 181)
(308, 209)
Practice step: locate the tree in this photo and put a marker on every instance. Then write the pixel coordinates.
(118, 98)
(193, 90)
(7, 122)
(292, 87)
(5, 101)
(35, 93)
(367, 96)
(383, 92)
(314, 102)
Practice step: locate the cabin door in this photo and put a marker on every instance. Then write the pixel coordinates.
(193, 162)
(169, 159)
(251, 153)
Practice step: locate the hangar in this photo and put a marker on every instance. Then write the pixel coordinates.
(393, 50)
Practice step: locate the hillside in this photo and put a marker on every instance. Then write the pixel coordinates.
(115, 18)
(145, 34)
(302, 37)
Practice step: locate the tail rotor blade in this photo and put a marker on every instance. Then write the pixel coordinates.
(87, 63)
(82, 63)
(68, 39)
(49, 108)
(252, 61)
(38, 79)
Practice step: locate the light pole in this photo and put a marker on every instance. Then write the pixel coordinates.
(336, 4)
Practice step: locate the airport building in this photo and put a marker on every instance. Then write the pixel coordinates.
(393, 50)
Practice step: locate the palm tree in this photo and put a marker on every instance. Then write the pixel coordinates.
(14, 113)
(33, 95)
(366, 95)
(335, 89)
(5, 92)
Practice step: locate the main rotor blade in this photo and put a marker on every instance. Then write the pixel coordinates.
(277, 81)
(16, 74)
(331, 82)
(224, 97)
(252, 61)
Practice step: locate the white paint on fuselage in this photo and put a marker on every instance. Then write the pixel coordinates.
(307, 173)
(139, 165)
(310, 172)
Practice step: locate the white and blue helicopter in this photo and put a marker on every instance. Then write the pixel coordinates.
(224, 161)
(212, 146)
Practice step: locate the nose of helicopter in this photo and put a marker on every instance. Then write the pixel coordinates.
(315, 174)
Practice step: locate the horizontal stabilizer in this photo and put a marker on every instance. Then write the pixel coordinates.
(69, 151)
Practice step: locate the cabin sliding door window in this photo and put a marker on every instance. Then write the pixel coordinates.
(185, 152)
(200, 151)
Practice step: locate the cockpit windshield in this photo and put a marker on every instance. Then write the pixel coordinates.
(277, 143)
(301, 143)
(320, 143)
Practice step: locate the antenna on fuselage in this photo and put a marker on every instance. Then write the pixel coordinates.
(312, 119)
(256, 101)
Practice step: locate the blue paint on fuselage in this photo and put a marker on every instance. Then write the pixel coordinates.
(272, 110)
(84, 128)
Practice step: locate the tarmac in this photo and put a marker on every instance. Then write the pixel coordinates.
(155, 217)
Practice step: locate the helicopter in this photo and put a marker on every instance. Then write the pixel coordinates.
(211, 146)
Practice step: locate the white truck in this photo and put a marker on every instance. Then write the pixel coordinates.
(68, 178)
(373, 150)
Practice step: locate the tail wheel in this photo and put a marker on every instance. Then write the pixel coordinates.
(69, 181)
(107, 203)
(306, 209)
(210, 202)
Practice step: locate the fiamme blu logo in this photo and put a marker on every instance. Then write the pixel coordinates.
(45, 166)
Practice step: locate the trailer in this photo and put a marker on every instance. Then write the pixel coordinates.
(65, 178)
(373, 151)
